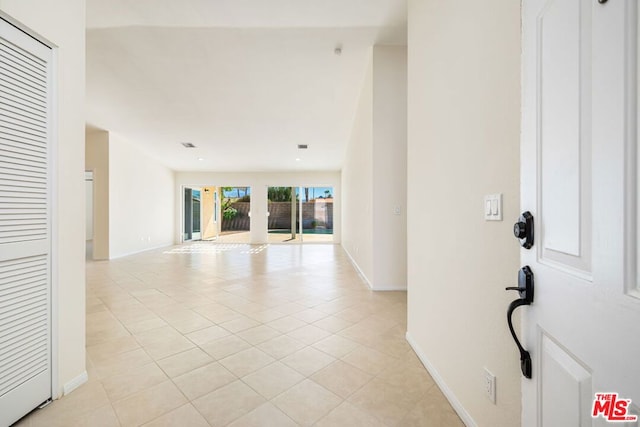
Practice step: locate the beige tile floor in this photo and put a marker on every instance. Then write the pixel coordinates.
(274, 335)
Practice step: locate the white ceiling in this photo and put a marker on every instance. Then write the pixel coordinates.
(243, 80)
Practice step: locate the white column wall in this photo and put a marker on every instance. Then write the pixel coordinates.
(374, 173)
(464, 137)
(357, 183)
(389, 167)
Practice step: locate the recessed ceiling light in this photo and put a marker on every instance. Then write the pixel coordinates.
(298, 159)
(200, 158)
(187, 145)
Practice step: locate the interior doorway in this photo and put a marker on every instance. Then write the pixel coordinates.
(300, 214)
(88, 185)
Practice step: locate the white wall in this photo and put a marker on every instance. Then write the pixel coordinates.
(63, 24)
(357, 183)
(374, 173)
(97, 161)
(259, 181)
(390, 167)
(463, 143)
(141, 200)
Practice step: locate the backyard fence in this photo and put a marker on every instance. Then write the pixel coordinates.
(315, 215)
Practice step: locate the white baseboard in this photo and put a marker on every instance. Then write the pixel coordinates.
(451, 397)
(164, 245)
(389, 288)
(357, 267)
(386, 288)
(75, 383)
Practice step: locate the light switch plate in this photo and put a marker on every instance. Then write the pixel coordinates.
(492, 207)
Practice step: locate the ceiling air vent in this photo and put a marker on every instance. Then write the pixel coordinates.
(302, 146)
(188, 145)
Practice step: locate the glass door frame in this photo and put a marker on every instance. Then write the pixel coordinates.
(297, 230)
(188, 235)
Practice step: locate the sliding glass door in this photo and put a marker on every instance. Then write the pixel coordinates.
(300, 214)
(283, 207)
(192, 214)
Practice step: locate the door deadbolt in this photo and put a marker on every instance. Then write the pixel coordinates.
(523, 230)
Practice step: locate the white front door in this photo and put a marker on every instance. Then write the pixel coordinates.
(579, 180)
(25, 187)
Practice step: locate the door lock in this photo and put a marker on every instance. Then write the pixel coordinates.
(525, 288)
(523, 230)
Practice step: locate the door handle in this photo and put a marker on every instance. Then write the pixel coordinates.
(525, 288)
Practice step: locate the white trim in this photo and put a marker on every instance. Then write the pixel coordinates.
(75, 383)
(33, 34)
(632, 284)
(386, 288)
(294, 243)
(390, 288)
(442, 385)
(357, 267)
(53, 224)
(164, 245)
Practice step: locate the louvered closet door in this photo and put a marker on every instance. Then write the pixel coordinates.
(25, 266)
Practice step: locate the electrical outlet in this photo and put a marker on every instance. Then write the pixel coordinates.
(490, 385)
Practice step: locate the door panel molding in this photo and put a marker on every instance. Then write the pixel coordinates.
(569, 386)
(562, 121)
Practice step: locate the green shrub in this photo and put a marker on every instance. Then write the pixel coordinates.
(279, 194)
(229, 213)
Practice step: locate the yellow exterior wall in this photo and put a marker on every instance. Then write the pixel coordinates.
(210, 227)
